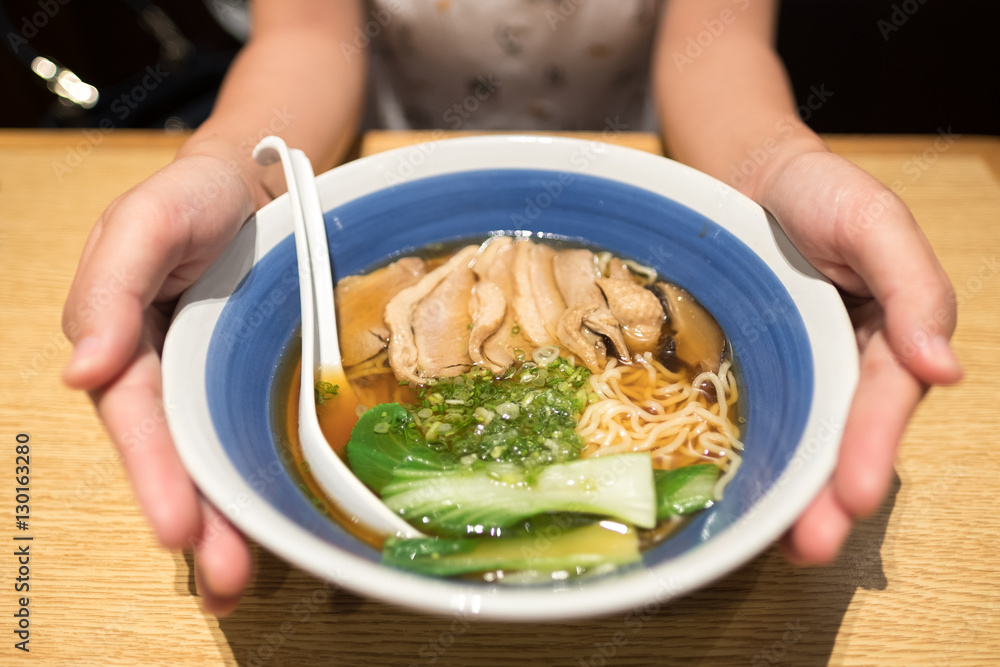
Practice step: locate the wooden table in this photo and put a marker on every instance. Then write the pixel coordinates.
(917, 584)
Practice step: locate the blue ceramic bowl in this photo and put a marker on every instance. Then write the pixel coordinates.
(226, 347)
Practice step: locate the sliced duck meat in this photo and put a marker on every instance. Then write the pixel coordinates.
(700, 342)
(441, 324)
(488, 264)
(361, 302)
(526, 311)
(638, 311)
(488, 307)
(399, 312)
(548, 296)
(576, 274)
(507, 343)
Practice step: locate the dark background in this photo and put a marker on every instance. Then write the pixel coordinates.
(901, 66)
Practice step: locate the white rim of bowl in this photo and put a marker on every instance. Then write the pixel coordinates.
(834, 379)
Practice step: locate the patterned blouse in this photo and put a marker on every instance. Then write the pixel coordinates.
(509, 64)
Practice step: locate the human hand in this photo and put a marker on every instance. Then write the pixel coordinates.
(864, 239)
(147, 247)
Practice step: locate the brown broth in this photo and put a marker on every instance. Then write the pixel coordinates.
(288, 426)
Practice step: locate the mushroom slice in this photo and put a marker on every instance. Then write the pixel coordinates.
(638, 311)
(700, 341)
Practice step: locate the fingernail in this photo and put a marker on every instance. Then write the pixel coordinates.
(82, 352)
(940, 350)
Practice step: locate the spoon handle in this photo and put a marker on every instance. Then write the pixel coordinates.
(319, 251)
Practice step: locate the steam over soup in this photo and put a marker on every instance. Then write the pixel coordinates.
(525, 389)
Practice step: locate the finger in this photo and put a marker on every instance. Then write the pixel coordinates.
(123, 267)
(223, 564)
(819, 532)
(886, 397)
(890, 252)
(132, 410)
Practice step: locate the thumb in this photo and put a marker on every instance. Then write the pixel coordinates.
(119, 273)
(176, 222)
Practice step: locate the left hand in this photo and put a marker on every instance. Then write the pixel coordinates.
(864, 238)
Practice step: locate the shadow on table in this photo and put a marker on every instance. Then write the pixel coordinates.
(766, 613)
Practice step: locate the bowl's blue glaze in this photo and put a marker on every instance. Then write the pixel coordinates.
(773, 352)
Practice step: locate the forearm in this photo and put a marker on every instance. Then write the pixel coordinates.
(292, 80)
(726, 106)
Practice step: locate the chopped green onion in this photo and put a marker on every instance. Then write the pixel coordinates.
(325, 391)
(483, 415)
(544, 356)
(508, 411)
(506, 418)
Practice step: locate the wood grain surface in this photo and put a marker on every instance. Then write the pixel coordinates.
(917, 584)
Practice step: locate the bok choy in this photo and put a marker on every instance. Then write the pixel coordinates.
(438, 494)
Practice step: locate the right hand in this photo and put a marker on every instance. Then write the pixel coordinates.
(147, 247)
